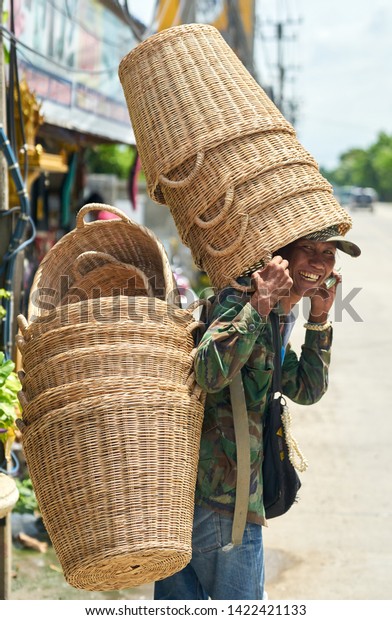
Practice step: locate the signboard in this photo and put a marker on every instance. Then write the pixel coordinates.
(69, 52)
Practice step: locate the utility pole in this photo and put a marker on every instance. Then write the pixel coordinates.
(282, 34)
(281, 68)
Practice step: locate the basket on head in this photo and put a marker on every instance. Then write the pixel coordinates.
(125, 241)
(187, 92)
(116, 486)
(229, 165)
(261, 216)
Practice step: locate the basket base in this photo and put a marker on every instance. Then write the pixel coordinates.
(128, 571)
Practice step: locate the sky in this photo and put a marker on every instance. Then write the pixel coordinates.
(339, 65)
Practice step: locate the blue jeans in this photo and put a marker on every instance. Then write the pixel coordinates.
(218, 570)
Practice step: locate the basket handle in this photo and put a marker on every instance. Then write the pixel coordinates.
(182, 182)
(22, 399)
(75, 270)
(198, 302)
(97, 206)
(21, 425)
(22, 324)
(21, 375)
(20, 342)
(232, 247)
(191, 308)
(229, 197)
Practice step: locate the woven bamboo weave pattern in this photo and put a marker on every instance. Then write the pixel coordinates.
(107, 280)
(109, 311)
(229, 164)
(122, 239)
(186, 92)
(64, 339)
(87, 389)
(256, 194)
(122, 360)
(116, 493)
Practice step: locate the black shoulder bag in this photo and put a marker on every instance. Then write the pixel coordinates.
(280, 480)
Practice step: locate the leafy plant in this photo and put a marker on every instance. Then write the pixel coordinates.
(6, 295)
(27, 502)
(9, 404)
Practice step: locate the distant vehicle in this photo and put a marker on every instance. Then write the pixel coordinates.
(362, 198)
(343, 193)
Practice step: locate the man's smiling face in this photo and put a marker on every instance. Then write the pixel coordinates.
(310, 263)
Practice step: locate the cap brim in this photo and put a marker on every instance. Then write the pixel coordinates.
(346, 246)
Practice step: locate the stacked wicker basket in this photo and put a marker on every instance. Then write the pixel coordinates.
(217, 151)
(111, 413)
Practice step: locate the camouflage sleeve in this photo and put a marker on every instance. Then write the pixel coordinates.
(305, 380)
(234, 326)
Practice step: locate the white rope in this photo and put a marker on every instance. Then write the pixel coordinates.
(296, 457)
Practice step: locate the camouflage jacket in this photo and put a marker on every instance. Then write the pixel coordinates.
(237, 338)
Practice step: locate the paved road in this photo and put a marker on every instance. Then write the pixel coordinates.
(336, 543)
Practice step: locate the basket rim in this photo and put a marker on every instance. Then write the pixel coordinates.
(60, 246)
(166, 35)
(101, 401)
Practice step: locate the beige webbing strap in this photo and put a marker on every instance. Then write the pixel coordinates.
(241, 429)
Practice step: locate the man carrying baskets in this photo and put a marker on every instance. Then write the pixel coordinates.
(238, 338)
(240, 188)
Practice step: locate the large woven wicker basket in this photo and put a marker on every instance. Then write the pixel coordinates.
(134, 256)
(112, 414)
(187, 92)
(114, 479)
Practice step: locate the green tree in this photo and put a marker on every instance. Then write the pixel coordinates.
(381, 156)
(370, 167)
(110, 159)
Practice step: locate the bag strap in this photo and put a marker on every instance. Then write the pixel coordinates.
(276, 339)
(241, 429)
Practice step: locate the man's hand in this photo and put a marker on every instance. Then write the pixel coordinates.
(321, 300)
(271, 284)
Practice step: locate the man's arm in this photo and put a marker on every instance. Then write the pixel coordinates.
(305, 380)
(234, 327)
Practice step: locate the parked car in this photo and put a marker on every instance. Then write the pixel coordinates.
(363, 198)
